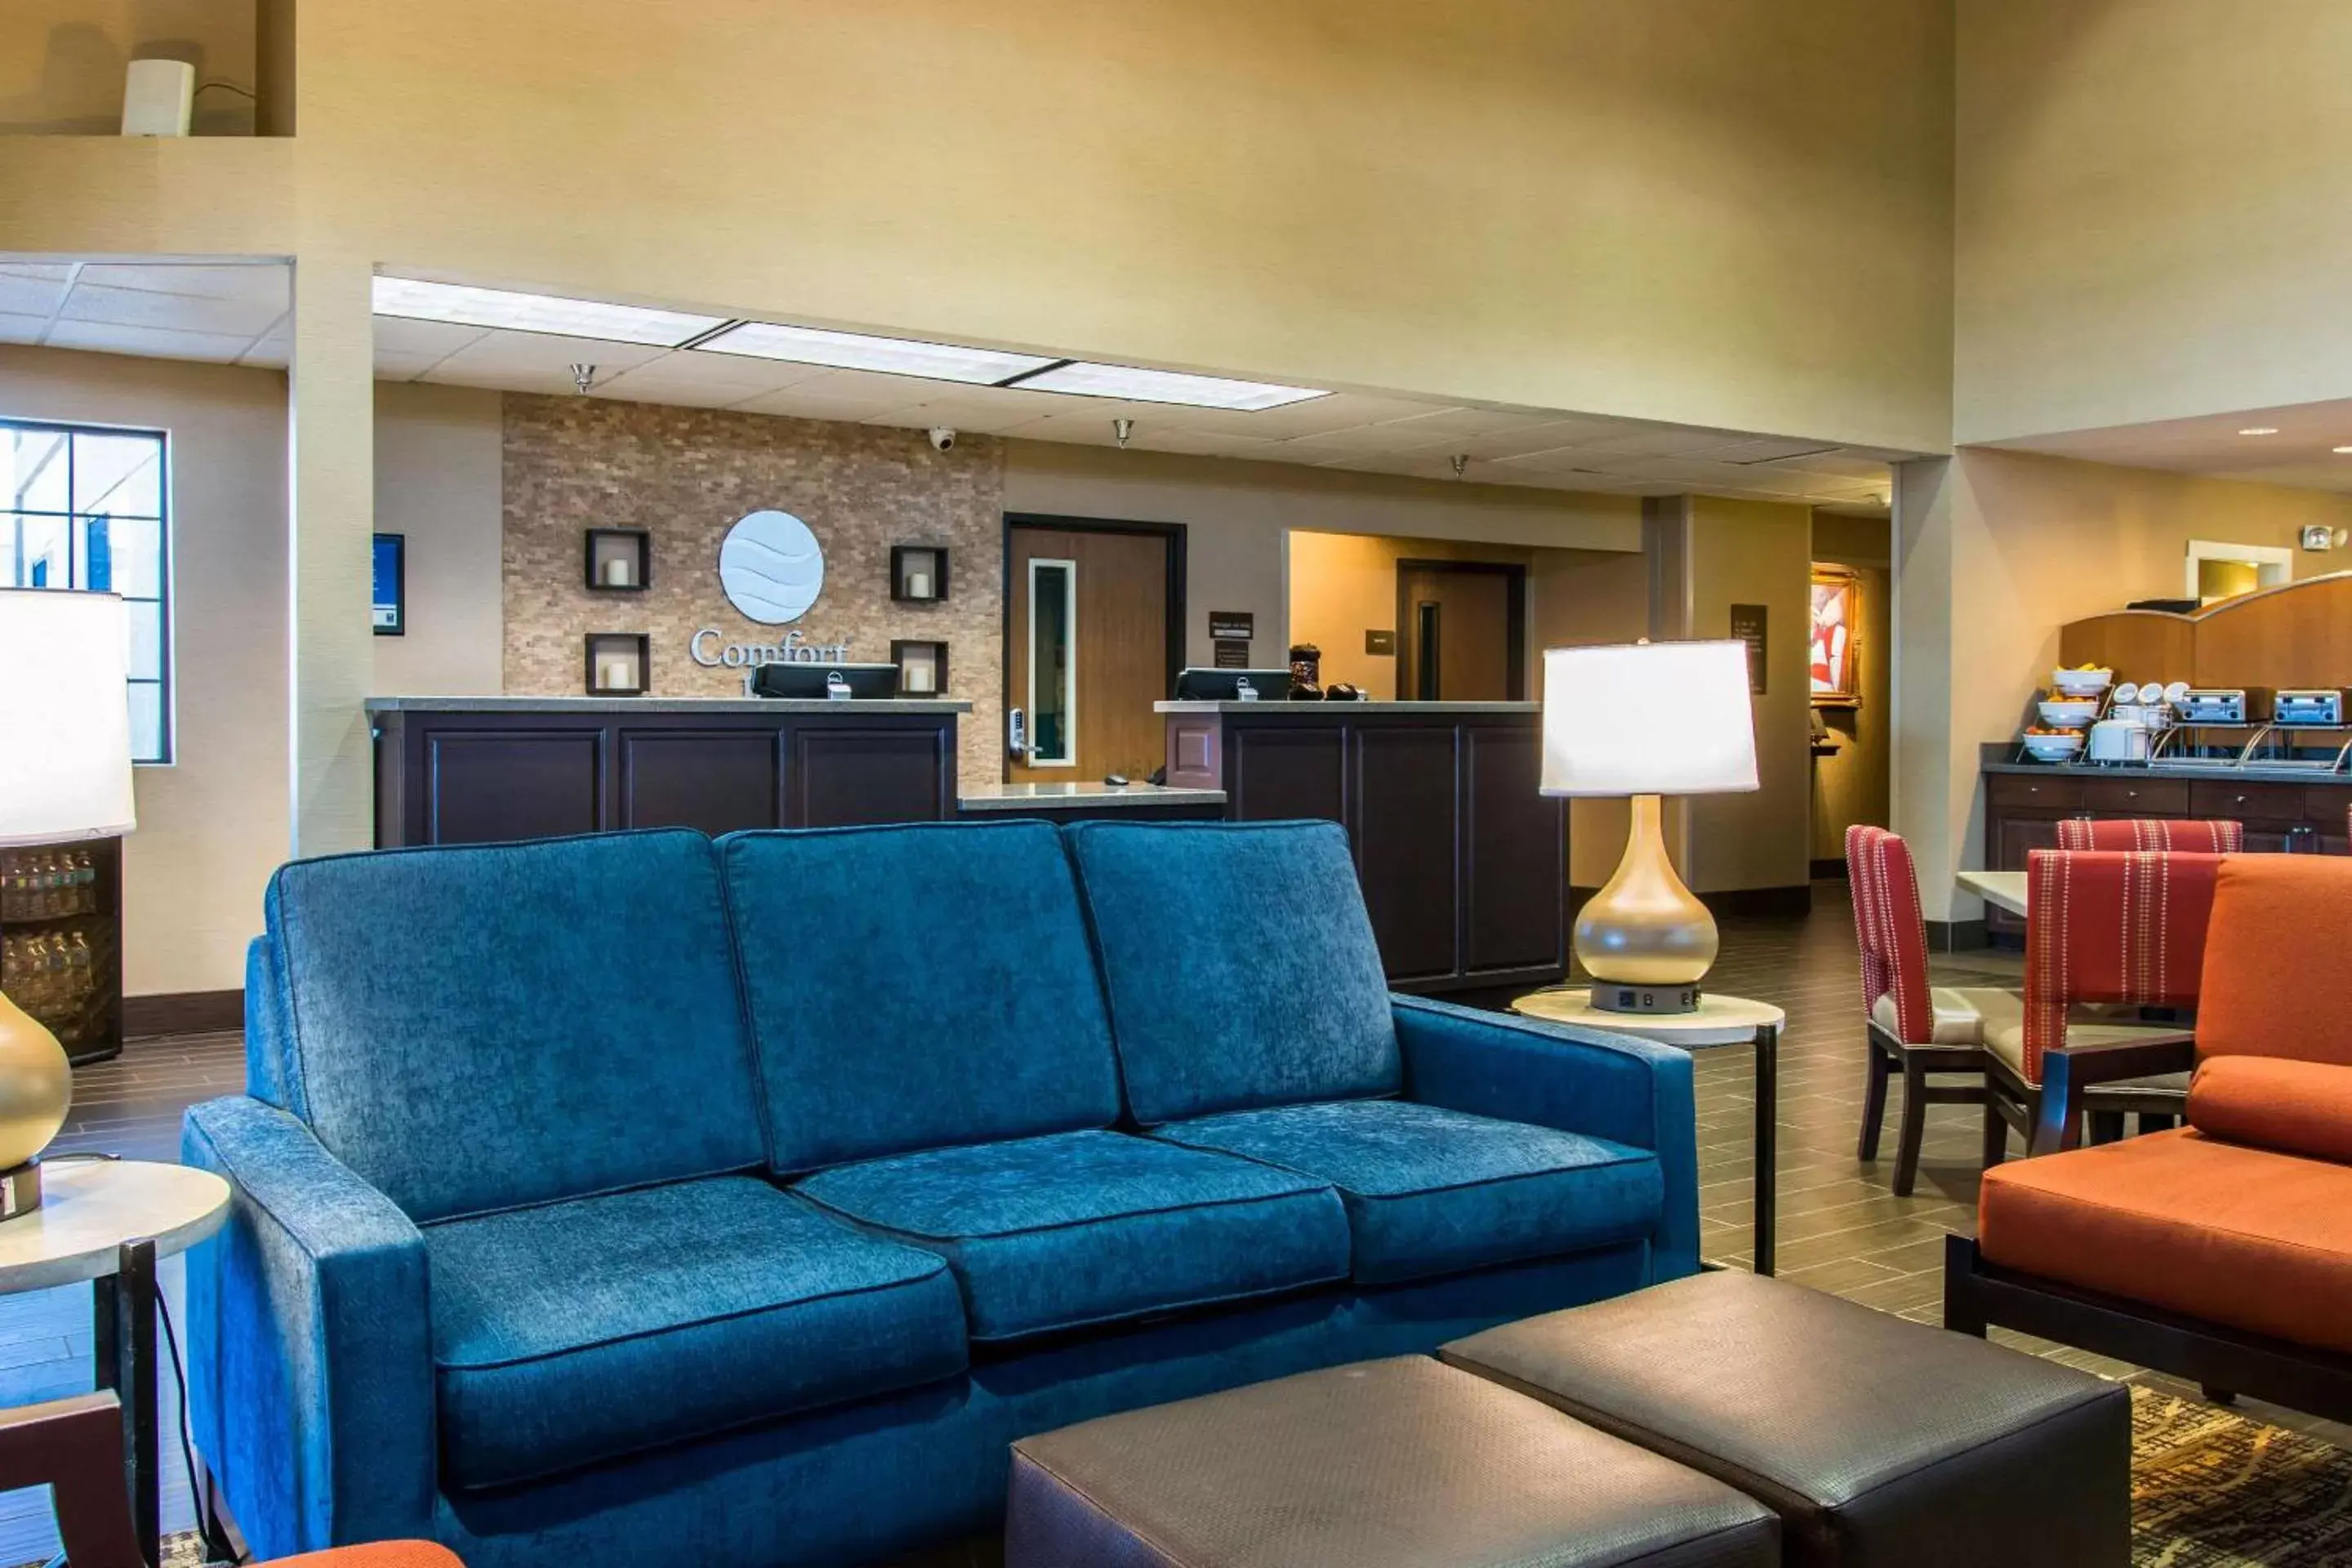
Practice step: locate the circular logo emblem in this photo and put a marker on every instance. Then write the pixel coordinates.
(772, 567)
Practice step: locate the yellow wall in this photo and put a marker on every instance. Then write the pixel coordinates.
(1724, 212)
(2150, 212)
(2015, 545)
(1757, 553)
(62, 61)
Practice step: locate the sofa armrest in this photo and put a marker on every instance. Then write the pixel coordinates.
(1603, 1085)
(2068, 1071)
(309, 1339)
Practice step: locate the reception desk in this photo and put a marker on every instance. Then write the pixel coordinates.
(471, 770)
(1463, 864)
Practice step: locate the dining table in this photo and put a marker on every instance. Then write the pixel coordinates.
(2002, 889)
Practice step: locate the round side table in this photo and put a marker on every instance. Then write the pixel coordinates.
(1717, 1020)
(107, 1221)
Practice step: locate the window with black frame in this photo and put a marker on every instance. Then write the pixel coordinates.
(87, 507)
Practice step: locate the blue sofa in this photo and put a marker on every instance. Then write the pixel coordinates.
(645, 1199)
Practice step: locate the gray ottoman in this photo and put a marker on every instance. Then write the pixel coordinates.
(1879, 1443)
(1382, 1465)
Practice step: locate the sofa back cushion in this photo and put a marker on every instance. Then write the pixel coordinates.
(2275, 982)
(481, 1027)
(918, 986)
(1240, 963)
(2272, 1103)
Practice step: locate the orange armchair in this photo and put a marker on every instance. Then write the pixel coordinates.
(74, 1446)
(2222, 1251)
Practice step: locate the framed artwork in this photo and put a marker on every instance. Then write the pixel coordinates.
(1835, 654)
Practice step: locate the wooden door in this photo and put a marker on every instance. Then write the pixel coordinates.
(1461, 631)
(1087, 615)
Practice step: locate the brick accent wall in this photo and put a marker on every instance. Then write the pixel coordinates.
(687, 475)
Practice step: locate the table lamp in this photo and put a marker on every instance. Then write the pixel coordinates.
(65, 773)
(1642, 720)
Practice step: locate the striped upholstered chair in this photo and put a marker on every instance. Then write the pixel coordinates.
(1930, 1034)
(2107, 929)
(2190, 835)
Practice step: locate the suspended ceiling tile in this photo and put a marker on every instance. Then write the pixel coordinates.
(405, 339)
(152, 343)
(792, 403)
(171, 313)
(1837, 462)
(1085, 429)
(264, 286)
(1766, 450)
(985, 411)
(23, 293)
(1201, 443)
(536, 360)
(15, 329)
(722, 378)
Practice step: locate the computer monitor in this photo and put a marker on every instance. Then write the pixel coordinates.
(796, 679)
(1199, 685)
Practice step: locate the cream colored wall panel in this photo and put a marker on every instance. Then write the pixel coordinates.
(438, 480)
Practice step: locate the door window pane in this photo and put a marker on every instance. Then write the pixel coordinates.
(1052, 663)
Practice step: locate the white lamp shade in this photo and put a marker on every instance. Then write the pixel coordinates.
(65, 716)
(1667, 717)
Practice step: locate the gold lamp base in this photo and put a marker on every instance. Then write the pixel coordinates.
(1644, 938)
(36, 1092)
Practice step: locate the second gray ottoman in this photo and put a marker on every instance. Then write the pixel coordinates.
(1881, 1443)
(1387, 1464)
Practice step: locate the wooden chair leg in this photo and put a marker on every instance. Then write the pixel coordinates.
(1996, 1133)
(2107, 1126)
(1874, 1097)
(1915, 1127)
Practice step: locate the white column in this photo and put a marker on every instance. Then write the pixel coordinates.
(331, 455)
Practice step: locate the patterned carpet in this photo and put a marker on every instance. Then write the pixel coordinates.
(2209, 1490)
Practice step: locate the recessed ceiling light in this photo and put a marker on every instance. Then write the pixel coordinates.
(2340, 448)
(419, 300)
(1165, 386)
(858, 351)
(2259, 430)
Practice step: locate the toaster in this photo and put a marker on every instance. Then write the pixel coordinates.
(2323, 707)
(2216, 705)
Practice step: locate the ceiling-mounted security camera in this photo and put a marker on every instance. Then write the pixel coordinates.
(943, 438)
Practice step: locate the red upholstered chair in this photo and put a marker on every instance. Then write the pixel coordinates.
(1911, 1025)
(74, 1446)
(2196, 836)
(2105, 929)
(2222, 1251)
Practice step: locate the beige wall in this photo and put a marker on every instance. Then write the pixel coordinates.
(212, 825)
(2016, 545)
(1856, 784)
(2150, 222)
(62, 61)
(437, 482)
(1345, 584)
(1757, 553)
(1732, 212)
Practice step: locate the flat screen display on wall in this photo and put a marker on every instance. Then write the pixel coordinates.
(391, 598)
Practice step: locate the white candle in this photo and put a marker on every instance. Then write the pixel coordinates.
(918, 675)
(919, 584)
(616, 572)
(616, 675)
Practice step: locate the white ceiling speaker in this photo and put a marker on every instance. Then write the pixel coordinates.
(159, 98)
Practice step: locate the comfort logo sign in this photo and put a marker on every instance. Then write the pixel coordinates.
(770, 567)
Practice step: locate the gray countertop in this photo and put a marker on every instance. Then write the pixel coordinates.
(665, 705)
(1089, 792)
(1378, 706)
(2002, 758)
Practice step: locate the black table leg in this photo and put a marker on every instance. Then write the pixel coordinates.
(123, 1327)
(1767, 1142)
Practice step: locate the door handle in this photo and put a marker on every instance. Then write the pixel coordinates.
(1016, 732)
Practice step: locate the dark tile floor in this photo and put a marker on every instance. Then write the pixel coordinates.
(1841, 1228)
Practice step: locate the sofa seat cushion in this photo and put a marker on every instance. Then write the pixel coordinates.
(1432, 1192)
(580, 1330)
(2247, 1237)
(1078, 1228)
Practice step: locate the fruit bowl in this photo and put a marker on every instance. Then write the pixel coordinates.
(2080, 682)
(2058, 748)
(2068, 712)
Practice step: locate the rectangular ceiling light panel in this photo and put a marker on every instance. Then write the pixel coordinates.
(419, 300)
(857, 350)
(1166, 386)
